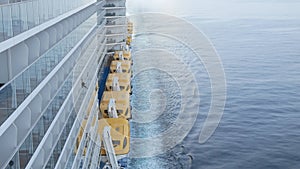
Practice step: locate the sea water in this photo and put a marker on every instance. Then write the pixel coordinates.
(259, 46)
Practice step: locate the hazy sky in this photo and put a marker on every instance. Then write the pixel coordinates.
(219, 8)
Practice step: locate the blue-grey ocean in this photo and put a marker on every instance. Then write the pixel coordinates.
(258, 42)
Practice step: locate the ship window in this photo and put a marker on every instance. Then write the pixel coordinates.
(116, 143)
(125, 142)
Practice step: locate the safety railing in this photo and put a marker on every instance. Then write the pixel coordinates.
(16, 18)
(17, 90)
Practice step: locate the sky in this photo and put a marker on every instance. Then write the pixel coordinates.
(279, 9)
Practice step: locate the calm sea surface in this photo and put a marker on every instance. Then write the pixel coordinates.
(259, 45)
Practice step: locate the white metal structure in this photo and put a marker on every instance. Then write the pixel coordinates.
(116, 23)
(112, 110)
(127, 48)
(110, 151)
(119, 67)
(121, 57)
(115, 84)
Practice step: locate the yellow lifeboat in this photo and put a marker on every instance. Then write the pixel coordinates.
(120, 134)
(123, 77)
(123, 110)
(130, 32)
(128, 40)
(130, 27)
(120, 66)
(121, 97)
(118, 85)
(122, 55)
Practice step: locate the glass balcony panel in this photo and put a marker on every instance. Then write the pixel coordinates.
(19, 90)
(34, 138)
(33, 74)
(14, 162)
(50, 9)
(30, 14)
(14, 93)
(2, 38)
(41, 11)
(19, 17)
(36, 8)
(26, 151)
(60, 144)
(5, 103)
(23, 17)
(38, 133)
(58, 7)
(46, 10)
(16, 20)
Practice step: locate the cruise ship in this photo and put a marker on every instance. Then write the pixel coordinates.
(54, 75)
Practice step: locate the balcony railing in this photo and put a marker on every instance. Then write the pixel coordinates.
(17, 90)
(110, 32)
(16, 18)
(114, 5)
(112, 42)
(116, 22)
(66, 66)
(113, 14)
